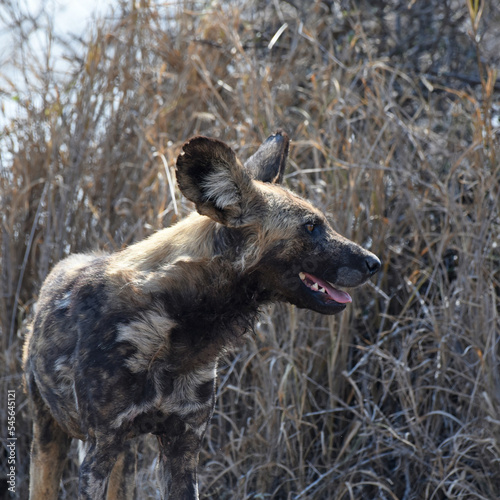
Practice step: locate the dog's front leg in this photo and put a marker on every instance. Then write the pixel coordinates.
(179, 451)
(96, 468)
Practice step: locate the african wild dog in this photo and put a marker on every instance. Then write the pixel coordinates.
(127, 344)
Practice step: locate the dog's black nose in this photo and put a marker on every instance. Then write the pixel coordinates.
(373, 264)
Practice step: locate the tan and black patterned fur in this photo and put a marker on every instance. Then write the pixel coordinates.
(127, 343)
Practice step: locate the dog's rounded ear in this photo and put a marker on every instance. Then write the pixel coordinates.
(269, 161)
(210, 175)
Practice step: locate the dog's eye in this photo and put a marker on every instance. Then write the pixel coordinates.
(310, 227)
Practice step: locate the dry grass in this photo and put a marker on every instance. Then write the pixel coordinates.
(391, 109)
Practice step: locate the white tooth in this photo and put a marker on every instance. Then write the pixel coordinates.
(322, 290)
(315, 287)
(302, 276)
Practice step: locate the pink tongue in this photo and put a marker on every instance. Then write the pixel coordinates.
(336, 295)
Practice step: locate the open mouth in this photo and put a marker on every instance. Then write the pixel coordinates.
(324, 290)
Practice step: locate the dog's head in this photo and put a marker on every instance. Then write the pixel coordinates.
(288, 243)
